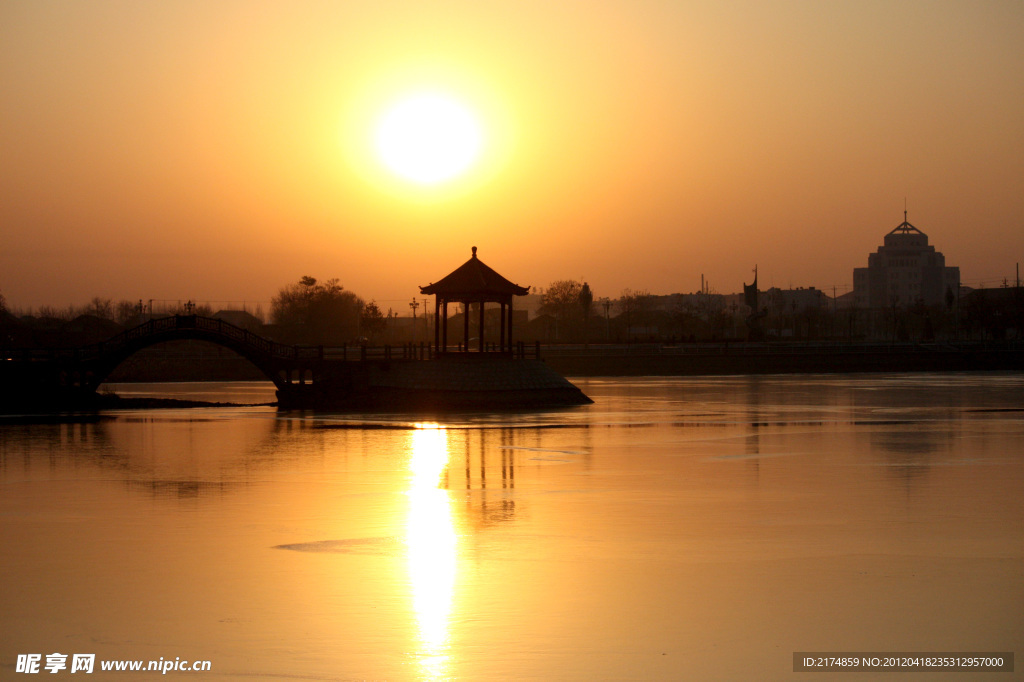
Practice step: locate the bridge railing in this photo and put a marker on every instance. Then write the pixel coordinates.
(424, 351)
(162, 326)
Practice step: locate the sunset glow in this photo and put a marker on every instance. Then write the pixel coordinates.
(428, 138)
(634, 145)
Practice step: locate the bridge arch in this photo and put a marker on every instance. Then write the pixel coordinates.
(279, 362)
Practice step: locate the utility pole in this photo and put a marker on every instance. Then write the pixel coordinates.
(414, 305)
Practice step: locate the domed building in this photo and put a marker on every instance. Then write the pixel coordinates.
(903, 272)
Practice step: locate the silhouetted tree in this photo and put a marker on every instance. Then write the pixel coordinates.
(562, 300)
(635, 306)
(102, 308)
(561, 296)
(586, 302)
(127, 312)
(852, 315)
(317, 312)
(372, 319)
(48, 311)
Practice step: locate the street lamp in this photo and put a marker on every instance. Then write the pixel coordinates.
(414, 305)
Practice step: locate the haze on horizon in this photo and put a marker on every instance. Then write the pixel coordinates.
(222, 150)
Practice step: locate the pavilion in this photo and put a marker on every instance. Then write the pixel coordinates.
(473, 283)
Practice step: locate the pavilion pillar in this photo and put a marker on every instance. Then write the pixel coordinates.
(501, 337)
(510, 324)
(444, 332)
(481, 339)
(437, 324)
(465, 325)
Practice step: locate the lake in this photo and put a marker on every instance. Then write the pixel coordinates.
(702, 528)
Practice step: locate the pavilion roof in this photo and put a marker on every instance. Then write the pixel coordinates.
(474, 280)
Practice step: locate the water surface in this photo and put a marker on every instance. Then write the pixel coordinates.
(678, 528)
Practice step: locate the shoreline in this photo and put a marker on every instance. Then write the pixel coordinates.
(723, 359)
(92, 411)
(112, 401)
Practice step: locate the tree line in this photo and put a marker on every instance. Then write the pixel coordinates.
(316, 312)
(570, 305)
(308, 311)
(312, 311)
(572, 315)
(123, 312)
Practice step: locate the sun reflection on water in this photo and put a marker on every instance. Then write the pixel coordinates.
(431, 541)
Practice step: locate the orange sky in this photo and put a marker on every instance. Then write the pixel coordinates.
(219, 150)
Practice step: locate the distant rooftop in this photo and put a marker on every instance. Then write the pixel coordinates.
(906, 228)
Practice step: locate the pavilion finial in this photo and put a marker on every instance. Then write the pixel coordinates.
(474, 252)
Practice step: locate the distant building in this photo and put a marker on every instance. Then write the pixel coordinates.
(845, 301)
(531, 303)
(903, 272)
(797, 300)
(993, 313)
(240, 318)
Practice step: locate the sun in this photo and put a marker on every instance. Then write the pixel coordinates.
(428, 138)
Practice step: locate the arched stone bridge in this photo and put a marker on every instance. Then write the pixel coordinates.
(303, 375)
(87, 367)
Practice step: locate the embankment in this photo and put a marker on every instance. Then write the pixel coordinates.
(722, 360)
